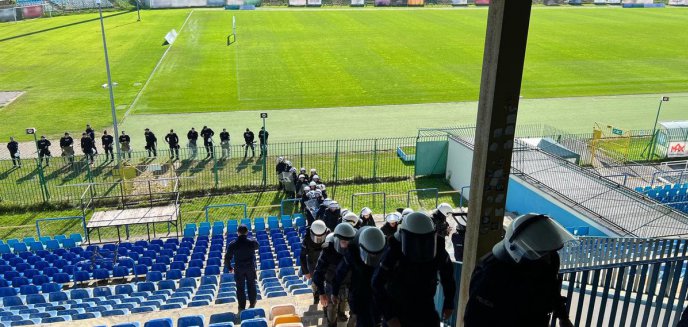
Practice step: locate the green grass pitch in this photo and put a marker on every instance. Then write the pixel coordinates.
(319, 59)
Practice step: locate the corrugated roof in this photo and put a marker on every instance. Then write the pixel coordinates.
(674, 124)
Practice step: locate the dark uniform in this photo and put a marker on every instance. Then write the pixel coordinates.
(504, 293)
(388, 230)
(125, 143)
(87, 147)
(192, 136)
(243, 250)
(263, 137)
(323, 277)
(107, 145)
(248, 142)
(13, 147)
(92, 134)
(365, 221)
(331, 218)
(151, 141)
(173, 141)
(67, 146)
(310, 252)
(207, 134)
(360, 293)
(406, 290)
(44, 151)
(224, 143)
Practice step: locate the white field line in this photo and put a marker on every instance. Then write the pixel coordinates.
(138, 95)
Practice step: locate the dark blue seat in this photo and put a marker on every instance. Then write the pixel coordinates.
(178, 265)
(61, 278)
(140, 270)
(114, 312)
(35, 299)
(52, 320)
(196, 263)
(167, 285)
(82, 316)
(120, 271)
(212, 270)
(81, 276)
(102, 291)
(286, 262)
(174, 274)
(226, 317)
(214, 262)
(39, 280)
(160, 267)
(7, 291)
(170, 306)
(77, 294)
(187, 282)
(125, 289)
(163, 322)
(267, 264)
(28, 289)
(20, 281)
(10, 301)
(101, 273)
(193, 272)
(50, 287)
(146, 261)
(25, 322)
(57, 296)
(153, 276)
(142, 309)
(145, 287)
(198, 303)
(129, 324)
(255, 322)
(209, 280)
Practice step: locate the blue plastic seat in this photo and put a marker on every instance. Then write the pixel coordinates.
(78, 294)
(57, 296)
(102, 291)
(10, 301)
(256, 322)
(28, 289)
(212, 270)
(154, 276)
(142, 309)
(81, 276)
(128, 324)
(114, 312)
(167, 285)
(83, 316)
(267, 264)
(7, 291)
(145, 287)
(20, 281)
(173, 274)
(101, 273)
(193, 272)
(52, 320)
(251, 313)
(267, 274)
(170, 306)
(221, 318)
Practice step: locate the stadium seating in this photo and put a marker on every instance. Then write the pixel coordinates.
(674, 195)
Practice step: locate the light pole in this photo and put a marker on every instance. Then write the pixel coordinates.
(264, 148)
(138, 11)
(653, 143)
(109, 78)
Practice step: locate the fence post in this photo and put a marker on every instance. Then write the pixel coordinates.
(375, 160)
(336, 161)
(215, 173)
(301, 155)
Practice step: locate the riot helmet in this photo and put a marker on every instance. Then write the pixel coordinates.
(531, 237)
(318, 231)
(371, 242)
(417, 236)
(343, 234)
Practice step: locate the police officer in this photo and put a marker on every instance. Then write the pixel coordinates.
(518, 284)
(151, 142)
(350, 218)
(173, 141)
(404, 284)
(44, 150)
(13, 147)
(192, 136)
(67, 146)
(366, 218)
(311, 246)
(299, 184)
(279, 169)
(125, 144)
(391, 223)
(224, 143)
(92, 134)
(325, 272)
(316, 179)
(208, 134)
(439, 218)
(243, 251)
(313, 173)
(263, 137)
(248, 142)
(87, 147)
(361, 259)
(107, 145)
(331, 214)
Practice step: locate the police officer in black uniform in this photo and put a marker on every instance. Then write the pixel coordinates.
(243, 251)
(173, 141)
(44, 150)
(67, 146)
(405, 282)
(224, 143)
(207, 134)
(192, 136)
(248, 142)
(360, 261)
(311, 247)
(325, 271)
(125, 144)
(87, 147)
(107, 145)
(263, 137)
(92, 134)
(151, 142)
(330, 213)
(13, 147)
(517, 283)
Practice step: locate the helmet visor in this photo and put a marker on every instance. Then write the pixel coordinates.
(418, 247)
(340, 245)
(319, 239)
(370, 259)
(542, 237)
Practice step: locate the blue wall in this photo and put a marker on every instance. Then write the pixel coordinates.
(523, 199)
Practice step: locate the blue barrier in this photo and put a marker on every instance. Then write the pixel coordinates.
(82, 218)
(226, 206)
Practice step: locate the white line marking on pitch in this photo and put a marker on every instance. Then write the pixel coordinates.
(138, 95)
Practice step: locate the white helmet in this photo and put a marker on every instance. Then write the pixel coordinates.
(333, 205)
(312, 184)
(321, 187)
(318, 231)
(445, 209)
(328, 239)
(288, 163)
(311, 194)
(350, 218)
(405, 213)
(306, 189)
(303, 170)
(292, 170)
(302, 176)
(532, 236)
(371, 242)
(312, 170)
(316, 177)
(366, 211)
(280, 159)
(318, 193)
(393, 218)
(417, 237)
(343, 233)
(344, 212)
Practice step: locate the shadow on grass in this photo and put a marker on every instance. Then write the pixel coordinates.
(60, 26)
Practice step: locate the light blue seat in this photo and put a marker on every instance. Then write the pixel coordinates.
(162, 322)
(191, 321)
(222, 319)
(256, 322)
(252, 313)
(76, 237)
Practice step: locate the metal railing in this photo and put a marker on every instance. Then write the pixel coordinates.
(599, 251)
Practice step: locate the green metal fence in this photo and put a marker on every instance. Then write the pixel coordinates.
(337, 161)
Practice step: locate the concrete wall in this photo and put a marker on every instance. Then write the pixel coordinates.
(459, 165)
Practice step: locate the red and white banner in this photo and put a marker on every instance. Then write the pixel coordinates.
(677, 149)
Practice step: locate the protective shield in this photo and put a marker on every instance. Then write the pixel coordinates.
(418, 247)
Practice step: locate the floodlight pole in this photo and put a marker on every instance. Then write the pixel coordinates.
(264, 152)
(654, 129)
(109, 78)
(138, 11)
